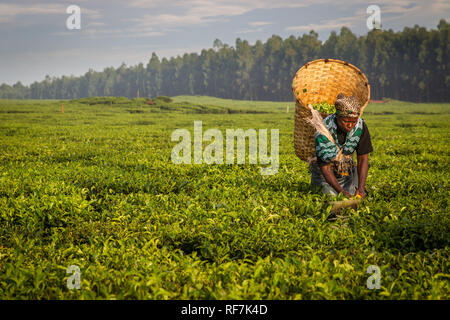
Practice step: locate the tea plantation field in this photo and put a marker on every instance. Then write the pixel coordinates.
(95, 187)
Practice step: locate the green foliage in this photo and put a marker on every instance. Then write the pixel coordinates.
(95, 187)
(160, 104)
(324, 107)
(102, 100)
(163, 99)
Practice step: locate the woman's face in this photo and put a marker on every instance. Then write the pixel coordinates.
(346, 123)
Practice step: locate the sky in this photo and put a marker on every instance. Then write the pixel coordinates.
(35, 40)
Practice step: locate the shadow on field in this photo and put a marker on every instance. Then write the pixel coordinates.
(415, 234)
(300, 186)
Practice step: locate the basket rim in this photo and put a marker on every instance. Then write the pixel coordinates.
(347, 64)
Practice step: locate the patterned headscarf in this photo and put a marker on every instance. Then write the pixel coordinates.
(347, 106)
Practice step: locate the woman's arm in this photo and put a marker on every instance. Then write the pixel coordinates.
(363, 168)
(331, 179)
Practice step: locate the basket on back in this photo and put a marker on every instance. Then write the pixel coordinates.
(318, 81)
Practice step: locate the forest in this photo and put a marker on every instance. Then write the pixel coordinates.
(409, 65)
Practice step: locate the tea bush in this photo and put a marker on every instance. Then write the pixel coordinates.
(95, 187)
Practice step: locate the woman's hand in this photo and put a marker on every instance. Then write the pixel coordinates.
(346, 194)
(360, 193)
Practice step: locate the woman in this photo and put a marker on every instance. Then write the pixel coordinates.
(334, 171)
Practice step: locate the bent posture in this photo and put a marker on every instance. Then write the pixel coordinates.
(334, 171)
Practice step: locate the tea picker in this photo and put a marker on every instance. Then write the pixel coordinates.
(327, 141)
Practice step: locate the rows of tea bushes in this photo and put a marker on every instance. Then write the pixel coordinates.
(95, 187)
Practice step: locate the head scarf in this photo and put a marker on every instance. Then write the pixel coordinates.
(347, 106)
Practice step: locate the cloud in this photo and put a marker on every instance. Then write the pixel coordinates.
(415, 12)
(145, 4)
(172, 20)
(202, 12)
(259, 23)
(250, 30)
(255, 26)
(246, 5)
(404, 13)
(95, 24)
(12, 10)
(393, 13)
(329, 24)
(96, 33)
(9, 12)
(440, 6)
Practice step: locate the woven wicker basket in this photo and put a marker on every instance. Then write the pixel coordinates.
(322, 80)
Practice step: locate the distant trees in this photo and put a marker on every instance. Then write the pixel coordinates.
(410, 65)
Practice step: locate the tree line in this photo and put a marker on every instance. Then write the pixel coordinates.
(410, 65)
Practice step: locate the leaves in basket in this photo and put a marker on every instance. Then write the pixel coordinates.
(324, 107)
